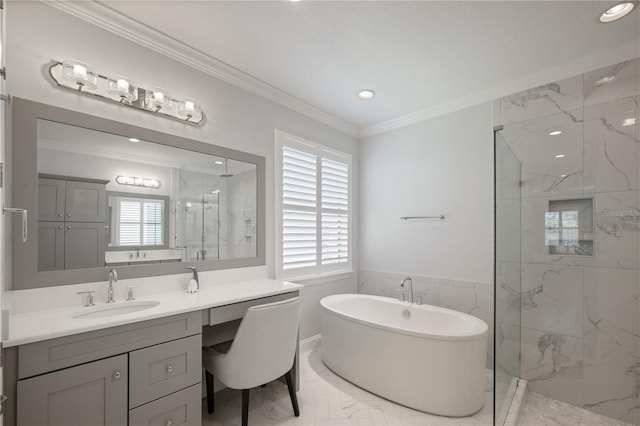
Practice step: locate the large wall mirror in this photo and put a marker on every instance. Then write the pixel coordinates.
(104, 194)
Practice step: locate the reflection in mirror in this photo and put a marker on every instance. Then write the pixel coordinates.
(108, 200)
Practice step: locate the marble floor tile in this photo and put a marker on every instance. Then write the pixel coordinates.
(326, 399)
(539, 410)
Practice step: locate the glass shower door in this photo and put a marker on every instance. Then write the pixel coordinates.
(507, 277)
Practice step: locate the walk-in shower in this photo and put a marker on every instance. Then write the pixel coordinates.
(567, 261)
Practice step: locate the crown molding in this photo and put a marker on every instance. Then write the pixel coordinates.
(573, 68)
(108, 19)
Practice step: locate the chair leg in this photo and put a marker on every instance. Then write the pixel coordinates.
(245, 407)
(292, 393)
(209, 378)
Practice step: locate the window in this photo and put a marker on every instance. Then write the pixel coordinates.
(139, 222)
(569, 227)
(313, 202)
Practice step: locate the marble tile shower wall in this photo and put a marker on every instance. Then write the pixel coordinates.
(474, 298)
(580, 314)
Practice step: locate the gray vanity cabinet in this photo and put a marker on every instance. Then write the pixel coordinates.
(138, 374)
(50, 246)
(71, 223)
(90, 394)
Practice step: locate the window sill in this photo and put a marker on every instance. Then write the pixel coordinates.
(309, 280)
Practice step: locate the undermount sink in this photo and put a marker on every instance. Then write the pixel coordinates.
(114, 309)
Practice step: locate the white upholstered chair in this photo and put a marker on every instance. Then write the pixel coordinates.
(263, 350)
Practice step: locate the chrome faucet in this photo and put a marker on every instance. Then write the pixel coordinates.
(410, 281)
(113, 277)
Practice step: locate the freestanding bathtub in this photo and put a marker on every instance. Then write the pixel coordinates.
(425, 357)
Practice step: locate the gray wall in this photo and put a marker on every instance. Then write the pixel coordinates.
(38, 34)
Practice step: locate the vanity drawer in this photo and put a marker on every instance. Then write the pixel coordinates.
(178, 409)
(54, 354)
(234, 311)
(162, 369)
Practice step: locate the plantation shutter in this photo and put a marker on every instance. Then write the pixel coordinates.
(140, 222)
(335, 209)
(299, 214)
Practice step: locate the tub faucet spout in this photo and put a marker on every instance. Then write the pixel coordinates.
(410, 281)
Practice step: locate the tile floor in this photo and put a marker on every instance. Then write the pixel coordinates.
(326, 399)
(539, 410)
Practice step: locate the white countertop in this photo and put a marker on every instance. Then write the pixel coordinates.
(40, 325)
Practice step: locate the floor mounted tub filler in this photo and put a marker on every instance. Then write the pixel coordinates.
(425, 357)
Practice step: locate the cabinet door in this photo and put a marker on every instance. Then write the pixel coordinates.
(84, 245)
(85, 202)
(51, 194)
(93, 394)
(50, 246)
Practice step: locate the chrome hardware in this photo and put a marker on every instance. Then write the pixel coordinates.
(406, 313)
(169, 422)
(25, 219)
(169, 368)
(68, 214)
(410, 281)
(195, 276)
(89, 300)
(117, 375)
(130, 295)
(419, 301)
(59, 214)
(113, 277)
(68, 226)
(60, 227)
(3, 399)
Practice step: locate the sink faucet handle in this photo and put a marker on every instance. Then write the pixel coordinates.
(89, 300)
(130, 295)
(419, 301)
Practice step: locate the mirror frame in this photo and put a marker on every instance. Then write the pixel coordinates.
(23, 146)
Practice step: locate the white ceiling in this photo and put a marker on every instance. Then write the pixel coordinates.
(416, 55)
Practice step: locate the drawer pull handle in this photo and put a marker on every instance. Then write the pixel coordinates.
(169, 422)
(169, 369)
(117, 375)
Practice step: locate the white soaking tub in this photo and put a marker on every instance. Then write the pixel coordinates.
(428, 358)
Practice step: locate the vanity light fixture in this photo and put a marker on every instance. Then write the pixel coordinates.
(138, 181)
(560, 156)
(80, 77)
(616, 12)
(79, 74)
(366, 94)
(555, 133)
(629, 121)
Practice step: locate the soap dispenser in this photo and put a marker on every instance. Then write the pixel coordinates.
(194, 284)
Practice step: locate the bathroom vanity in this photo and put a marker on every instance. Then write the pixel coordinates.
(136, 368)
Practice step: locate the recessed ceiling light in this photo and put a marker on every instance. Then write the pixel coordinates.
(560, 156)
(605, 80)
(555, 133)
(134, 140)
(218, 162)
(366, 94)
(563, 176)
(629, 122)
(616, 12)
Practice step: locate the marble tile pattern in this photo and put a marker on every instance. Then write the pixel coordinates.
(580, 334)
(539, 410)
(326, 399)
(474, 298)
